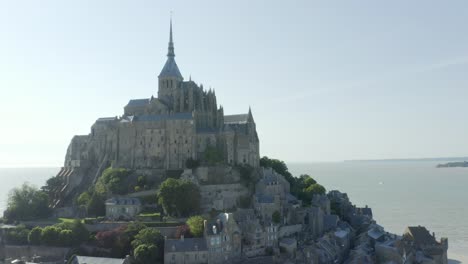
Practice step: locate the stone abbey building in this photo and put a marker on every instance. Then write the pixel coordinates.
(182, 123)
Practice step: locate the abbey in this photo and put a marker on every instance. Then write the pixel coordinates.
(184, 122)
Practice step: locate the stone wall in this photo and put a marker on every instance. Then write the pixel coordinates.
(221, 196)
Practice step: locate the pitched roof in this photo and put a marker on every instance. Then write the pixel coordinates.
(170, 69)
(420, 235)
(236, 119)
(185, 245)
(96, 260)
(138, 102)
(106, 119)
(176, 116)
(123, 201)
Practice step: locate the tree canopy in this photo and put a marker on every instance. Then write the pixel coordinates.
(196, 225)
(179, 197)
(27, 202)
(148, 246)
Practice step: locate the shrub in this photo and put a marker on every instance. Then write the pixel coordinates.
(17, 236)
(34, 236)
(50, 235)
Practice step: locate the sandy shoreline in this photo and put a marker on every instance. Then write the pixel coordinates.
(457, 259)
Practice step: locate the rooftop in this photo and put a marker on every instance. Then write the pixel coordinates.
(138, 102)
(123, 201)
(96, 260)
(420, 235)
(176, 116)
(185, 245)
(236, 119)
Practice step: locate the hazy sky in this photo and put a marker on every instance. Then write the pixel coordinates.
(327, 80)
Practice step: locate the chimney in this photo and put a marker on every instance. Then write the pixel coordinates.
(181, 237)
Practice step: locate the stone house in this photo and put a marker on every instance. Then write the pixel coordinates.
(186, 250)
(288, 245)
(224, 239)
(125, 208)
(418, 240)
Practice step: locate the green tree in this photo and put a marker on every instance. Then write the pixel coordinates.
(148, 236)
(53, 185)
(147, 254)
(115, 180)
(196, 225)
(26, 203)
(278, 166)
(310, 191)
(96, 205)
(83, 199)
(276, 217)
(179, 197)
(34, 236)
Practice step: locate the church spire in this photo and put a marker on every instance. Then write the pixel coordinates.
(170, 69)
(170, 51)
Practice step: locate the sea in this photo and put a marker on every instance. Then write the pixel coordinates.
(400, 193)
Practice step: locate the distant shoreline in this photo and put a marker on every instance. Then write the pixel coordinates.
(459, 164)
(451, 159)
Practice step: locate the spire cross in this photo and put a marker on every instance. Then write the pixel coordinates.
(170, 52)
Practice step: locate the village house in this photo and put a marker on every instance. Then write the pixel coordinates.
(186, 250)
(122, 208)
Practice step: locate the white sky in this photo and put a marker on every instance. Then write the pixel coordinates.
(326, 81)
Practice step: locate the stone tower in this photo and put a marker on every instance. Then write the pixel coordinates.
(170, 77)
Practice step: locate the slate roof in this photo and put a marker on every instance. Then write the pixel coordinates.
(186, 245)
(123, 201)
(341, 233)
(288, 241)
(330, 221)
(375, 233)
(421, 235)
(138, 102)
(176, 116)
(264, 198)
(236, 119)
(106, 119)
(170, 69)
(96, 260)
